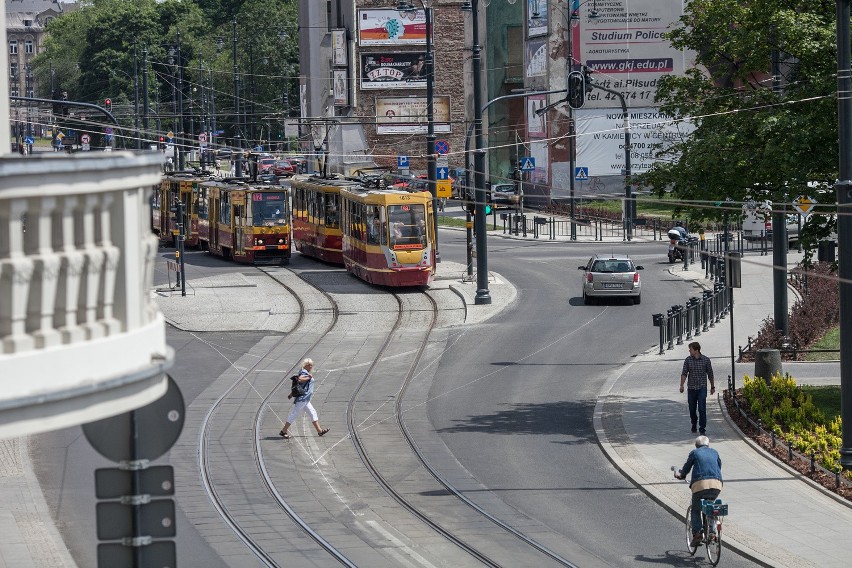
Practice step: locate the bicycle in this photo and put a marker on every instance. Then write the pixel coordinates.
(711, 527)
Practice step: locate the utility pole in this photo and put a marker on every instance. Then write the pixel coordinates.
(779, 234)
(136, 97)
(238, 158)
(145, 107)
(181, 136)
(844, 223)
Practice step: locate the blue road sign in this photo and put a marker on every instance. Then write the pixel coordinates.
(527, 164)
(402, 161)
(443, 173)
(442, 147)
(581, 173)
(29, 140)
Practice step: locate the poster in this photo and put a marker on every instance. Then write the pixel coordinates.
(600, 138)
(340, 87)
(391, 27)
(622, 42)
(537, 18)
(535, 123)
(338, 48)
(407, 115)
(393, 70)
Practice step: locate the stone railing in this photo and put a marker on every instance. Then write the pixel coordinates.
(80, 336)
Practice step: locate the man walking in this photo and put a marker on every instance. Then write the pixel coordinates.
(699, 370)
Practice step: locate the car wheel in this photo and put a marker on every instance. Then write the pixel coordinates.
(587, 300)
(637, 300)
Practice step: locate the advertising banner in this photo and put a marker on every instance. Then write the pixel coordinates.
(622, 42)
(600, 138)
(341, 92)
(338, 48)
(407, 115)
(535, 123)
(391, 27)
(537, 17)
(393, 70)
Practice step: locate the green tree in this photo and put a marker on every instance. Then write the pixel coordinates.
(752, 141)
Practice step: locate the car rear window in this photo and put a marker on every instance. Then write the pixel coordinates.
(612, 266)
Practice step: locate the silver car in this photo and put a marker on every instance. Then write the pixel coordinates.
(611, 277)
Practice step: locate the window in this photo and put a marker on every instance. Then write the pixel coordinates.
(30, 92)
(13, 70)
(28, 46)
(14, 92)
(13, 47)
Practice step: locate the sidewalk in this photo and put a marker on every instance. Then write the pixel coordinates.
(642, 421)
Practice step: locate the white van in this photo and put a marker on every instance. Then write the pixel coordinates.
(757, 222)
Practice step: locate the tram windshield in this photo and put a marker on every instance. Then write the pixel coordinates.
(268, 209)
(407, 224)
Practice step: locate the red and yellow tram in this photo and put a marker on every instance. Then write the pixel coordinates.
(243, 222)
(316, 216)
(183, 188)
(388, 236)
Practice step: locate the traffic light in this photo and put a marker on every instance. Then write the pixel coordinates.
(162, 144)
(576, 89)
(108, 104)
(471, 208)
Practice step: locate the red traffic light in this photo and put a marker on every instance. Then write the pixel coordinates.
(108, 104)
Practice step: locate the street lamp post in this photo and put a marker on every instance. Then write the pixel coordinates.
(844, 223)
(432, 170)
(238, 158)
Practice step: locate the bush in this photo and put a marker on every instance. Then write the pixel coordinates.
(785, 409)
(809, 320)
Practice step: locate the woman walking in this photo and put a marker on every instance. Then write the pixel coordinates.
(302, 401)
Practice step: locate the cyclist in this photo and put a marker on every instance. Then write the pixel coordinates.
(706, 481)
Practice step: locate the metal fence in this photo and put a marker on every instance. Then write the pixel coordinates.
(550, 227)
(683, 322)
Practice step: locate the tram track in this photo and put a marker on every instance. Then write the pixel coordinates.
(204, 459)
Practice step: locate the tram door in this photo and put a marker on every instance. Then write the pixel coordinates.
(239, 209)
(165, 210)
(213, 216)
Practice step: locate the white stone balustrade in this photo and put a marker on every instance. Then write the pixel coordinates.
(80, 336)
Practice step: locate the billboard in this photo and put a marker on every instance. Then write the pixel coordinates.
(407, 115)
(338, 48)
(340, 87)
(622, 42)
(393, 70)
(600, 138)
(537, 17)
(391, 27)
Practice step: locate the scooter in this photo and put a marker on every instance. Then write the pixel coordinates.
(675, 251)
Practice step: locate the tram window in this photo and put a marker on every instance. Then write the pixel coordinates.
(225, 208)
(407, 225)
(374, 226)
(332, 215)
(268, 209)
(203, 210)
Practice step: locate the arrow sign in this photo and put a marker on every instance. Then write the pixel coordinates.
(527, 164)
(443, 173)
(581, 173)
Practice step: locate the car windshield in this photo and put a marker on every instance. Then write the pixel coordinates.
(612, 266)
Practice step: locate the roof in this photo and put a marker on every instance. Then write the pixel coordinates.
(36, 6)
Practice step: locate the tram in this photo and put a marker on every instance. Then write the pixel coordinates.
(173, 189)
(316, 216)
(244, 222)
(388, 235)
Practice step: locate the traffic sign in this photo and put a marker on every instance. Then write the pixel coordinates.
(443, 188)
(402, 161)
(29, 140)
(581, 173)
(527, 164)
(84, 139)
(442, 147)
(202, 137)
(442, 161)
(157, 426)
(443, 173)
(804, 204)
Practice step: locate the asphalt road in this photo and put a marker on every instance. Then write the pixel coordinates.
(524, 427)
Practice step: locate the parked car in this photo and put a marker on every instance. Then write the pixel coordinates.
(613, 276)
(504, 195)
(265, 164)
(284, 168)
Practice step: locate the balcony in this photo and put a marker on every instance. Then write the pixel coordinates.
(80, 337)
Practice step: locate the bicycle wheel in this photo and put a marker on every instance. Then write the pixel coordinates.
(689, 546)
(713, 543)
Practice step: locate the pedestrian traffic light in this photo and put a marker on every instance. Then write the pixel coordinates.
(108, 104)
(576, 89)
